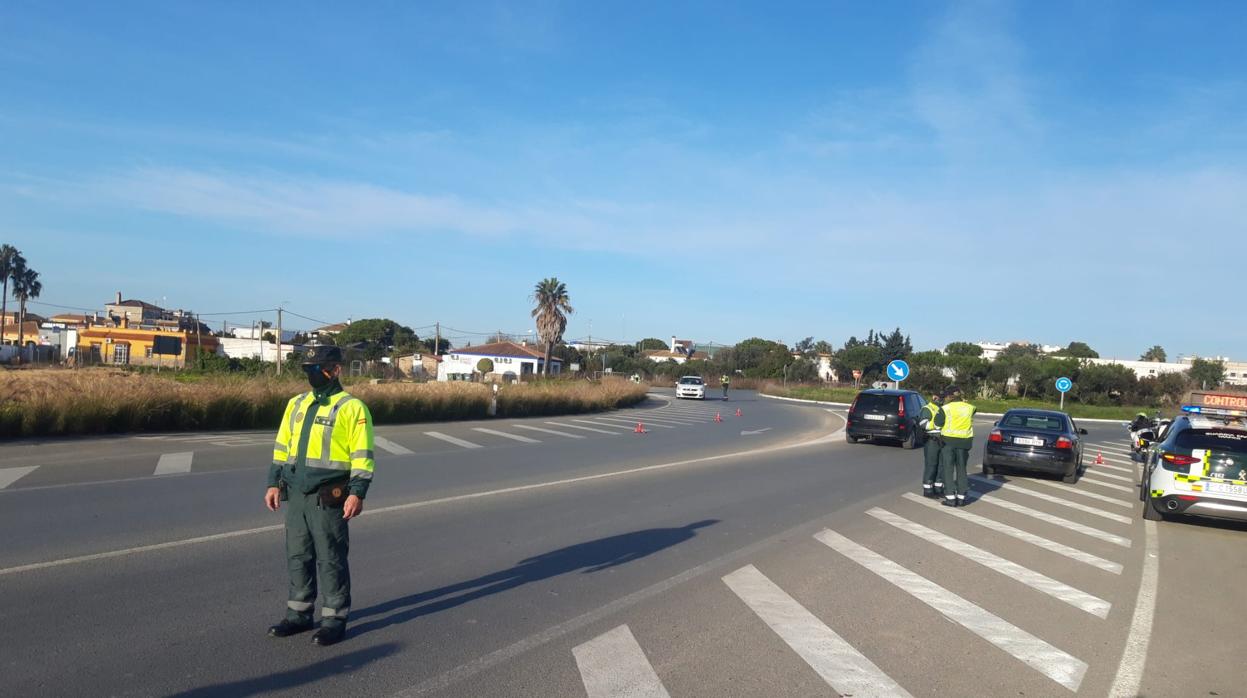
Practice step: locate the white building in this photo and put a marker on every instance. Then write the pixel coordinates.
(1235, 371)
(511, 361)
(236, 348)
(677, 351)
(1143, 369)
(992, 349)
(255, 333)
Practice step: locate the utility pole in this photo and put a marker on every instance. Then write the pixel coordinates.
(199, 344)
(279, 340)
(437, 343)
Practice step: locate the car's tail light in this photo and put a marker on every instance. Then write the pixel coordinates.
(1064, 443)
(1177, 462)
(1188, 497)
(996, 437)
(900, 407)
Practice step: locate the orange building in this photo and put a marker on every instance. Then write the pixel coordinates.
(142, 347)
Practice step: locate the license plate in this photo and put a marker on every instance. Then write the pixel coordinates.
(1027, 441)
(875, 417)
(1226, 488)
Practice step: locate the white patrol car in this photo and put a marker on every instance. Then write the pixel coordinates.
(691, 387)
(1200, 467)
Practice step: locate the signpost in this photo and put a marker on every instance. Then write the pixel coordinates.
(898, 371)
(857, 376)
(1063, 386)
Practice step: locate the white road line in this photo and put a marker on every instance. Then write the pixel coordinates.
(8, 476)
(1039, 582)
(1055, 520)
(1050, 661)
(172, 463)
(613, 665)
(1116, 501)
(391, 447)
(1119, 450)
(633, 424)
(602, 424)
(1095, 470)
(574, 426)
(503, 434)
(1108, 466)
(1049, 545)
(1012, 487)
(845, 669)
(451, 439)
(556, 432)
(1120, 460)
(1134, 657)
(1110, 485)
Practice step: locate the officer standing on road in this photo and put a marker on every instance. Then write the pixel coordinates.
(956, 423)
(726, 382)
(932, 479)
(322, 466)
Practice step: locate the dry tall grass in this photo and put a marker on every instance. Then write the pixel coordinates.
(40, 403)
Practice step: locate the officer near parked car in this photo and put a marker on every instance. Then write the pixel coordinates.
(322, 467)
(956, 423)
(726, 382)
(932, 478)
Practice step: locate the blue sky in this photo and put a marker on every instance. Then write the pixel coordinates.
(712, 170)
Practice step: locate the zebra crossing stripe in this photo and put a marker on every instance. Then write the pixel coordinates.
(1039, 582)
(555, 432)
(8, 476)
(503, 434)
(613, 665)
(173, 463)
(648, 423)
(1108, 466)
(1095, 470)
(845, 669)
(1055, 520)
(1050, 545)
(574, 426)
(1110, 485)
(1050, 661)
(1057, 500)
(451, 439)
(391, 447)
(1117, 501)
(602, 424)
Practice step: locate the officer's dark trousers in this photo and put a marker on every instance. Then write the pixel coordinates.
(955, 455)
(316, 550)
(931, 462)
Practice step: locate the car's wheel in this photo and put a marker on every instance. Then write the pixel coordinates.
(1071, 477)
(850, 438)
(1150, 513)
(911, 443)
(988, 469)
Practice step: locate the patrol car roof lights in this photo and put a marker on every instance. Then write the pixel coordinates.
(1213, 411)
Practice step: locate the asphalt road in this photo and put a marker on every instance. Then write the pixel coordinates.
(760, 555)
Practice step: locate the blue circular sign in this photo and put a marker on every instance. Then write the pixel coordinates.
(898, 370)
(1064, 384)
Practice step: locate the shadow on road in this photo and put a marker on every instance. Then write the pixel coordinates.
(587, 558)
(334, 666)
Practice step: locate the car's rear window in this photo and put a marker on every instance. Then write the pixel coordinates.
(876, 402)
(1213, 439)
(690, 380)
(1033, 421)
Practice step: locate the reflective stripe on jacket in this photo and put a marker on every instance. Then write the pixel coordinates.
(958, 420)
(929, 411)
(339, 443)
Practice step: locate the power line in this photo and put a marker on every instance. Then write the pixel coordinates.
(241, 312)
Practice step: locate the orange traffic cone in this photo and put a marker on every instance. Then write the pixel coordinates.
(718, 418)
(738, 413)
(1099, 458)
(640, 429)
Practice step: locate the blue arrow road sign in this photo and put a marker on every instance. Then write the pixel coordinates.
(898, 370)
(1063, 384)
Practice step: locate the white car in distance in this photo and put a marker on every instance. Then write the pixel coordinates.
(691, 387)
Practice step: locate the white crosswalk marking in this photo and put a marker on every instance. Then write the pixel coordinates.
(391, 447)
(8, 476)
(577, 426)
(451, 439)
(1040, 582)
(1019, 534)
(1050, 661)
(1055, 520)
(1109, 466)
(633, 424)
(171, 463)
(555, 432)
(613, 665)
(1116, 501)
(602, 424)
(503, 434)
(845, 669)
(1095, 470)
(1109, 485)
(1013, 487)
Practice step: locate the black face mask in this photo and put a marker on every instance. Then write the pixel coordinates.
(317, 378)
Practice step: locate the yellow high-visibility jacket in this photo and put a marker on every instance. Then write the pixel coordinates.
(958, 421)
(323, 439)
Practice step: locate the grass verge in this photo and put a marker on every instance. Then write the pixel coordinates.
(63, 402)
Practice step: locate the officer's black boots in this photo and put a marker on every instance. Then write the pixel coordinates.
(287, 627)
(329, 635)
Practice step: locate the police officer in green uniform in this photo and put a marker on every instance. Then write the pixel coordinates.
(956, 423)
(726, 382)
(932, 479)
(322, 466)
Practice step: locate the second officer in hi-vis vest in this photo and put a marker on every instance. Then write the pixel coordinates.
(322, 467)
(932, 478)
(956, 423)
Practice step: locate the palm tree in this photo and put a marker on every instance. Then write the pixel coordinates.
(553, 306)
(9, 257)
(26, 285)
